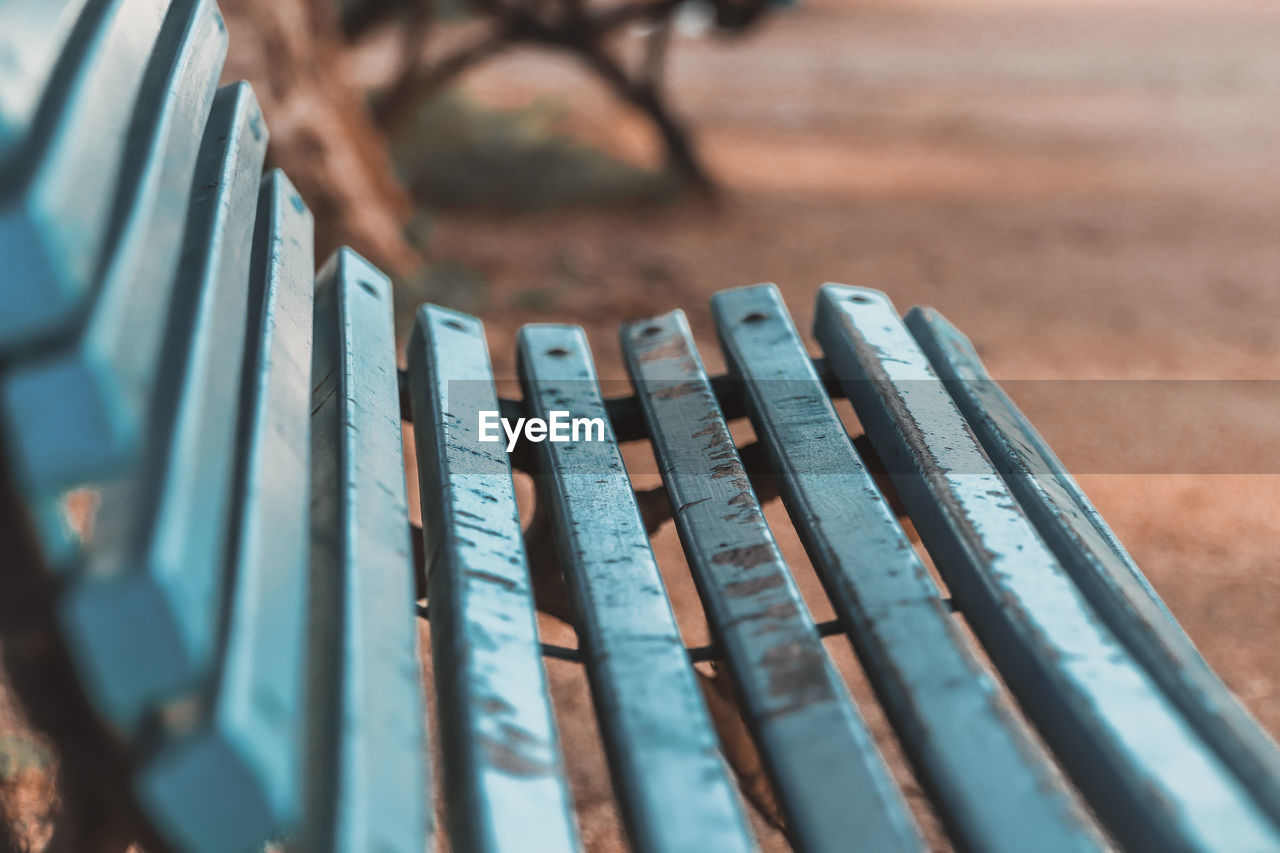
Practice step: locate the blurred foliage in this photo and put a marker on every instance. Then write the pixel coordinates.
(458, 153)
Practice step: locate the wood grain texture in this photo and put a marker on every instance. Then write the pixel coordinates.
(829, 778)
(234, 779)
(1097, 562)
(367, 750)
(671, 781)
(1153, 783)
(993, 785)
(504, 781)
(142, 615)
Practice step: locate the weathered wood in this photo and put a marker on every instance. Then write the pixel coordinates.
(367, 739)
(142, 618)
(830, 780)
(78, 413)
(235, 781)
(244, 615)
(56, 212)
(1149, 778)
(992, 784)
(503, 775)
(1097, 562)
(670, 779)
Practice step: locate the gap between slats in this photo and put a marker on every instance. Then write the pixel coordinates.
(586, 763)
(575, 717)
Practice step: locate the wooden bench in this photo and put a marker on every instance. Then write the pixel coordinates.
(240, 626)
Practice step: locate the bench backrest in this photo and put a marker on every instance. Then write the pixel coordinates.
(243, 611)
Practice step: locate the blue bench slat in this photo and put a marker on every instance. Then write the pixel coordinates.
(33, 35)
(55, 217)
(671, 781)
(1150, 779)
(831, 782)
(371, 784)
(142, 617)
(993, 785)
(236, 781)
(1098, 563)
(503, 774)
(77, 414)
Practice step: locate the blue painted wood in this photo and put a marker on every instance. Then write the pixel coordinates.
(504, 782)
(58, 541)
(33, 36)
(1150, 779)
(992, 784)
(669, 777)
(236, 780)
(56, 215)
(830, 780)
(368, 738)
(1017, 449)
(142, 616)
(77, 414)
(1097, 562)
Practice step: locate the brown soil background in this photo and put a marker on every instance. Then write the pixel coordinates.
(1089, 190)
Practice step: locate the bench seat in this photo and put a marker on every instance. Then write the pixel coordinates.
(241, 607)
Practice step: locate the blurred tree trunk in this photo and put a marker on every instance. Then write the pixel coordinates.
(321, 131)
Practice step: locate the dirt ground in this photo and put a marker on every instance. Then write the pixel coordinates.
(1089, 190)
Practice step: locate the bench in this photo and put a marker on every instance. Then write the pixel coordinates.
(232, 649)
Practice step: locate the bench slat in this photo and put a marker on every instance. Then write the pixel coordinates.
(33, 35)
(1153, 783)
(993, 785)
(78, 414)
(368, 738)
(671, 781)
(832, 783)
(236, 781)
(57, 213)
(142, 619)
(504, 778)
(1096, 560)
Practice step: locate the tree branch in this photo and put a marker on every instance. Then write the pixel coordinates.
(682, 156)
(395, 110)
(582, 33)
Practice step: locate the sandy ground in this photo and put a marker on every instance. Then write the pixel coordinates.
(1089, 190)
